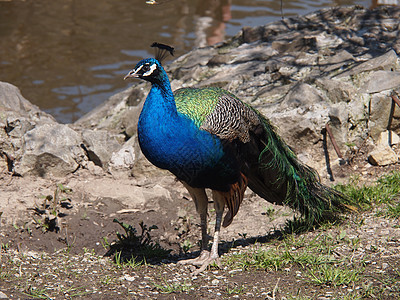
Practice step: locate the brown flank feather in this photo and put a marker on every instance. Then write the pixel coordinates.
(233, 198)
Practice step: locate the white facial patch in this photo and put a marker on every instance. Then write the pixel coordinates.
(149, 72)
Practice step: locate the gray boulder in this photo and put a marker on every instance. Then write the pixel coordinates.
(12, 100)
(17, 117)
(50, 150)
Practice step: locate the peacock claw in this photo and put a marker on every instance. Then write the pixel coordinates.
(206, 263)
(198, 261)
(204, 260)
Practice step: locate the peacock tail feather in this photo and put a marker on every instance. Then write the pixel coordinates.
(305, 193)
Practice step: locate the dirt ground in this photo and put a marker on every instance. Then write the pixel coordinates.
(63, 257)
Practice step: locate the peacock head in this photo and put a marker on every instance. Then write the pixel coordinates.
(148, 69)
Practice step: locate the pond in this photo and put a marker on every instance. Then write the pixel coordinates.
(69, 56)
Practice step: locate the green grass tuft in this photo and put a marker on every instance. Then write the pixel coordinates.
(384, 192)
(333, 275)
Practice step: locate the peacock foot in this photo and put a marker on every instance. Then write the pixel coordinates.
(204, 260)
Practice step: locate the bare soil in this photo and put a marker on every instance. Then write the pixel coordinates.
(69, 260)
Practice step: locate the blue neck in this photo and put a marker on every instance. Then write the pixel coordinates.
(160, 102)
(161, 98)
(161, 128)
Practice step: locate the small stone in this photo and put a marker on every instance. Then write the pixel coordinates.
(382, 156)
(3, 296)
(215, 282)
(94, 169)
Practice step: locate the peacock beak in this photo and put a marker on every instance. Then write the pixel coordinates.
(131, 74)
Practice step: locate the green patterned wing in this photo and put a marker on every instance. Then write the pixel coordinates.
(218, 112)
(197, 103)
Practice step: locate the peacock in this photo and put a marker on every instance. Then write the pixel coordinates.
(209, 139)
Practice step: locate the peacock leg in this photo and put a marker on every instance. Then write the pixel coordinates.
(206, 257)
(200, 199)
(213, 255)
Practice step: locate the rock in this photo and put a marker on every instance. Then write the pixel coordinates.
(383, 155)
(123, 160)
(17, 116)
(337, 61)
(380, 104)
(388, 138)
(381, 81)
(129, 277)
(338, 118)
(3, 295)
(301, 95)
(300, 126)
(337, 90)
(130, 119)
(387, 62)
(94, 169)
(50, 150)
(325, 40)
(215, 282)
(252, 34)
(12, 100)
(99, 145)
(17, 126)
(249, 53)
(219, 59)
(300, 43)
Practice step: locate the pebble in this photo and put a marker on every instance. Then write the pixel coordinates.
(234, 271)
(129, 278)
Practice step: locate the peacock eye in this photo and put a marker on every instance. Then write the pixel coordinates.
(146, 68)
